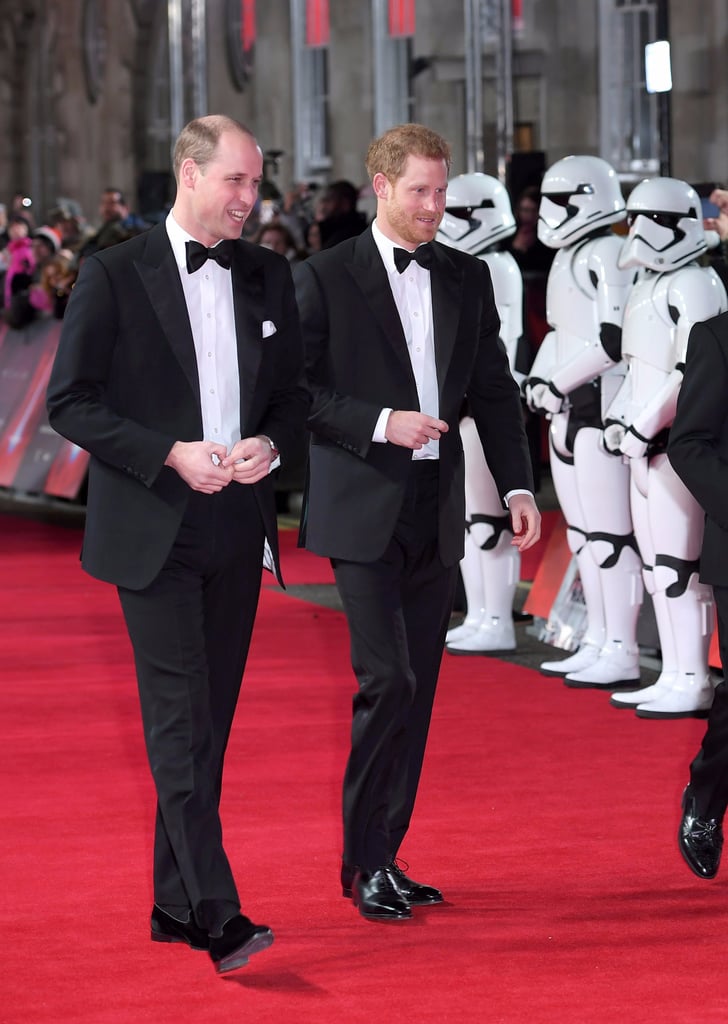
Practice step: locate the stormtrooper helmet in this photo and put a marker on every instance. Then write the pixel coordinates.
(665, 225)
(477, 213)
(579, 194)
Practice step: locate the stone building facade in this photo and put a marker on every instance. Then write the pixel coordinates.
(93, 91)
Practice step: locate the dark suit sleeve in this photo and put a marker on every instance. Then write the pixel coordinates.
(494, 400)
(80, 398)
(344, 420)
(698, 445)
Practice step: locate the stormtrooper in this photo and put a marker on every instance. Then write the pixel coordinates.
(478, 215)
(671, 293)
(576, 373)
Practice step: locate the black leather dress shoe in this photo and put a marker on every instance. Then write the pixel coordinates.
(239, 940)
(415, 894)
(376, 897)
(168, 929)
(700, 839)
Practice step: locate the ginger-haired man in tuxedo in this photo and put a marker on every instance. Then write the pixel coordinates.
(398, 331)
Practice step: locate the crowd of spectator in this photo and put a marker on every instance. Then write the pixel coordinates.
(39, 263)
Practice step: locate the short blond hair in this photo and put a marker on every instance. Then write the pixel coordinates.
(388, 154)
(199, 138)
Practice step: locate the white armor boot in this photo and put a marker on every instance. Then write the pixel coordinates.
(668, 673)
(617, 664)
(500, 566)
(620, 573)
(691, 690)
(586, 655)
(472, 577)
(689, 696)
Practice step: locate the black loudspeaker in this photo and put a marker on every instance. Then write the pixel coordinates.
(523, 170)
(155, 193)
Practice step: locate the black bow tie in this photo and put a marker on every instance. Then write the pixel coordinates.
(197, 254)
(422, 255)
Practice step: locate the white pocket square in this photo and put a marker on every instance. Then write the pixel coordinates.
(269, 328)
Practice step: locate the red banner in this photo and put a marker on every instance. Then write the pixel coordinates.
(317, 22)
(34, 459)
(247, 25)
(401, 18)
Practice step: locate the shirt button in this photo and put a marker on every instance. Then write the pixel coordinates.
(212, 391)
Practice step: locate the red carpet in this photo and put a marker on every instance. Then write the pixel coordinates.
(547, 817)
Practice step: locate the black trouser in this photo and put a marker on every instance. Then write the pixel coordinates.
(398, 609)
(190, 630)
(709, 770)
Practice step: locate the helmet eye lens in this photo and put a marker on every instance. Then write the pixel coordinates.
(659, 217)
(559, 198)
(564, 198)
(466, 212)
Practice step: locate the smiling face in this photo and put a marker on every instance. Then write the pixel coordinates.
(410, 209)
(214, 200)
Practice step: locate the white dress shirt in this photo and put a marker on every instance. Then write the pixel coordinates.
(413, 298)
(209, 297)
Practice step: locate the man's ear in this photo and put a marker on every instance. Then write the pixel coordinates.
(380, 185)
(188, 173)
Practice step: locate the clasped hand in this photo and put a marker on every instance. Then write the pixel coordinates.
(208, 467)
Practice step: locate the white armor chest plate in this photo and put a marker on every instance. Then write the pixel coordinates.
(648, 337)
(570, 301)
(508, 294)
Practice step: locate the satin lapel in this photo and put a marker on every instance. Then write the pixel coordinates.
(160, 277)
(367, 270)
(446, 282)
(249, 306)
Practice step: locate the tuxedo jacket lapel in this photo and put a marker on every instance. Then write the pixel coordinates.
(160, 277)
(248, 302)
(446, 285)
(370, 275)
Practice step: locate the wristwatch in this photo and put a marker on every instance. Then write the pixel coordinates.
(273, 447)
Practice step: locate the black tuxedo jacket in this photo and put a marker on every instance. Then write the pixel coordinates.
(698, 445)
(124, 386)
(357, 364)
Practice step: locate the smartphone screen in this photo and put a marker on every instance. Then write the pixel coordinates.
(709, 209)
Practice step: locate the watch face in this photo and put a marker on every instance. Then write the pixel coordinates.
(240, 35)
(93, 29)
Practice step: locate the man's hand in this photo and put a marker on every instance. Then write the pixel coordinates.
(193, 461)
(413, 429)
(632, 445)
(719, 196)
(613, 436)
(525, 520)
(249, 460)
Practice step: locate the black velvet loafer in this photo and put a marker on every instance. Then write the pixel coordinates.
(239, 940)
(168, 929)
(700, 839)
